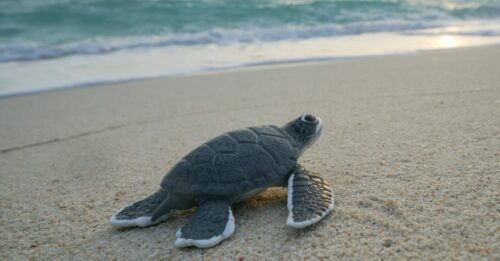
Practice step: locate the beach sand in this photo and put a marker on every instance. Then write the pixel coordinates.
(411, 148)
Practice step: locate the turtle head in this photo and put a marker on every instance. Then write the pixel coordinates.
(305, 129)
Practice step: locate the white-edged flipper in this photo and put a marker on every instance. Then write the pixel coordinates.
(310, 199)
(143, 221)
(140, 213)
(211, 223)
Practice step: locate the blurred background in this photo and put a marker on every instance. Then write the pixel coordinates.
(46, 44)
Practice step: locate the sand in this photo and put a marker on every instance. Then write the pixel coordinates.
(411, 148)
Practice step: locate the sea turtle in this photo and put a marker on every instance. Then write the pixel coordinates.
(230, 168)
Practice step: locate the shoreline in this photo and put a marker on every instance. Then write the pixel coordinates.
(410, 149)
(171, 61)
(242, 67)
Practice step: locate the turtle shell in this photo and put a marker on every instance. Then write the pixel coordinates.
(235, 163)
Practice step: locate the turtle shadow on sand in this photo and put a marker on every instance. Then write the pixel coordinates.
(130, 239)
(266, 208)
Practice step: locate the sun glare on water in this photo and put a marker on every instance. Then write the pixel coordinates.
(447, 41)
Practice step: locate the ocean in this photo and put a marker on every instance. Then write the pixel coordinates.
(47, 44)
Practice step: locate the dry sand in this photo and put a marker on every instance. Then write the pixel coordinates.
(411, 148)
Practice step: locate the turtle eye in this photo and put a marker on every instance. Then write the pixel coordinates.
(309, 118)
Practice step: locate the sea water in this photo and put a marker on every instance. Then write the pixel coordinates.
(46, 44)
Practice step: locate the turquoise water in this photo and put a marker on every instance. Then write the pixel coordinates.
(37, 30)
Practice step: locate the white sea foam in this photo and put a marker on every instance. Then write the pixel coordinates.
(122, 65)
(216, 36)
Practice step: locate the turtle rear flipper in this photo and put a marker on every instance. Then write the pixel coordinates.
(211, 223)
(310, 199)
(140, 213)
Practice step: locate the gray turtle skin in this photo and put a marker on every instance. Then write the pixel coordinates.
(230, 168)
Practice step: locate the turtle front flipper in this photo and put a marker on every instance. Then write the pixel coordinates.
(211, 223)
(140, 213)
(310, 198)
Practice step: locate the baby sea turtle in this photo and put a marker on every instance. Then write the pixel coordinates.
(230, 168)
